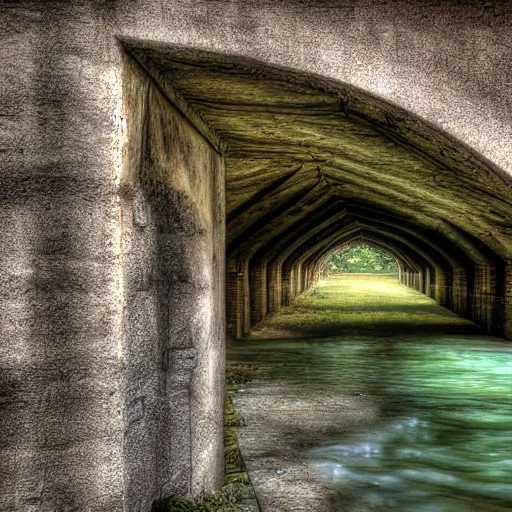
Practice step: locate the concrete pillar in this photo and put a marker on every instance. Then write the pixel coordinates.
(245, 306)
(285, 285)
(237, 298)
(306, 278)
(239, 331)
(231, 297)
(173, 346)
(507, 301)
(292, 284)
(460, 291)
(299, 287)
(421, 281)
(428, 287)
(311, 277)
(443, 288)
(258, 292)
(274, 280)
(484, 295)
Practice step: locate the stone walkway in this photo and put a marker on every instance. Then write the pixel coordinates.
(281, 423)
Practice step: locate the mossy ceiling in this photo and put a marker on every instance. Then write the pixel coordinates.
(301, 150)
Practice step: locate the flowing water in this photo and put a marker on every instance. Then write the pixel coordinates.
(442, 438)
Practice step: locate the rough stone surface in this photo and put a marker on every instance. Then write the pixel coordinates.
(173, 248)
(280, 421)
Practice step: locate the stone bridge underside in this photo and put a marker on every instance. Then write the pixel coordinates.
(123, 153)
(312, 165)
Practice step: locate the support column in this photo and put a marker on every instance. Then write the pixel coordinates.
(460, 291)
(274, 280)
(299, 287)
(231, 297)
(507, 301)
(443, 280)
(237, 298)
(428, 283)
(245, 313)
(484, 295)
(285, 286)
(292, 284)
(258, 291)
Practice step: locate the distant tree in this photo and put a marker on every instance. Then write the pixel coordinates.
(361, 258)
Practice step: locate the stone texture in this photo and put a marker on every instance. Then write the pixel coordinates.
(281, 419)
(173, 247)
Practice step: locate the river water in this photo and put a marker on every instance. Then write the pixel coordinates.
(442, 436)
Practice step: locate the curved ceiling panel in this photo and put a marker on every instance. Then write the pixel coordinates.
(294, 142)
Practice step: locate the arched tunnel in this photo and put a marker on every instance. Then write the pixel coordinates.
(313, 164)
(310, 165)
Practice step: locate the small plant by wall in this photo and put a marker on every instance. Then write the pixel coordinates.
(237, 494)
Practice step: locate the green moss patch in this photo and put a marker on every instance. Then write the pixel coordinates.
(237, 494)
(238, 374)
(228, 499)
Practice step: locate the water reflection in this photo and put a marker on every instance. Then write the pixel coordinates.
(449, 445)
(425, 421)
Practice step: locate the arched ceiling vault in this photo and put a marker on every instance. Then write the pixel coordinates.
(408, 252)
(416, 253)
(307, 157)
(310, 234)
(402, 252)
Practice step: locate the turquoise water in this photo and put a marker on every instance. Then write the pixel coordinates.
(445, 440)
(442, 440)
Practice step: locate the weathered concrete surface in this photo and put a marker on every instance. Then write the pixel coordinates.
(173, 250)
(62, 133)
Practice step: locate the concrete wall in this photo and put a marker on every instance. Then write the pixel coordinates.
(112, 279)
(174, 351)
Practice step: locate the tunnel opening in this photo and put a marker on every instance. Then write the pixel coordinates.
(360, 258)
(378, 391)
(245, 178)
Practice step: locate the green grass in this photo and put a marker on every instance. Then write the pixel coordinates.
(228, 499)
(237, 374)
(361, 305)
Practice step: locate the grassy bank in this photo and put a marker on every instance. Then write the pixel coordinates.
(359, 304)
